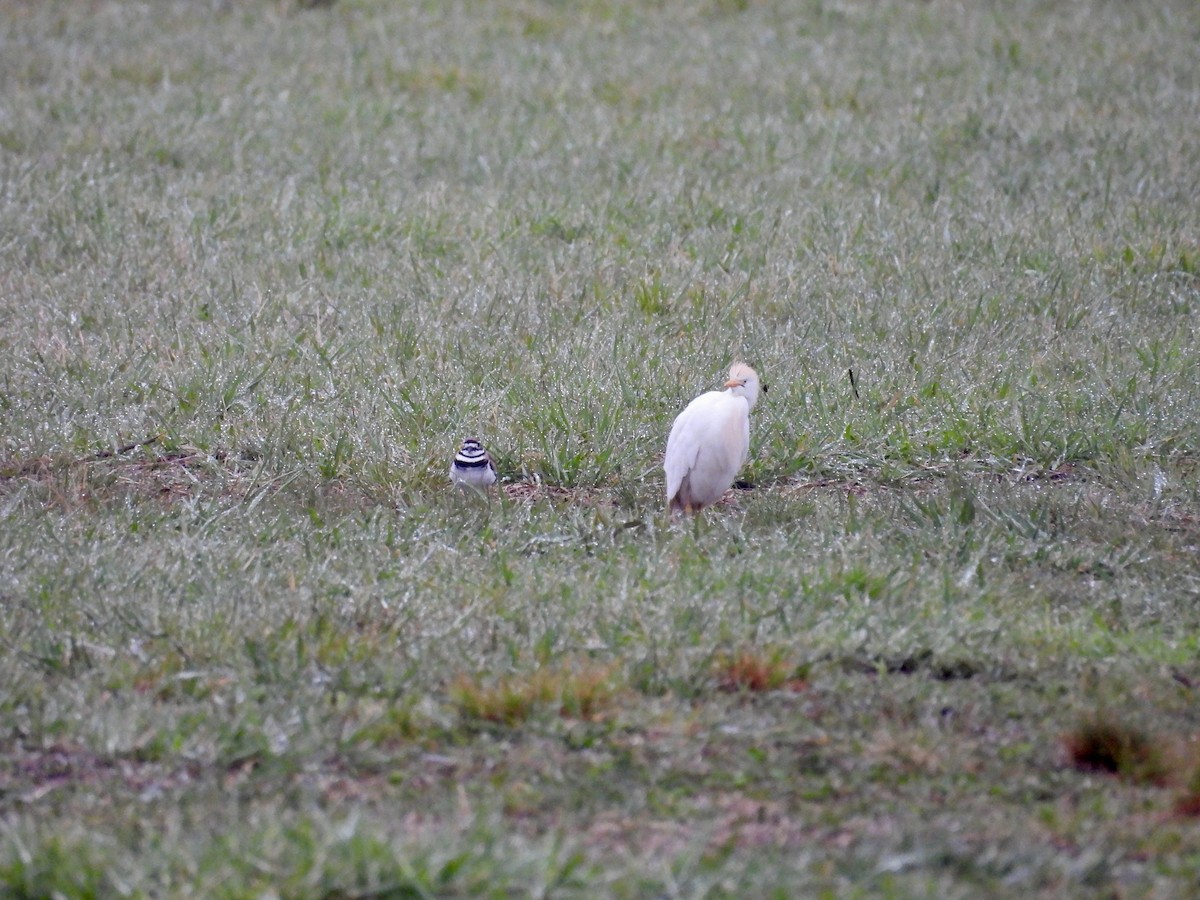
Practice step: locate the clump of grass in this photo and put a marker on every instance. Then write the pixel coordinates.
(751, 669)
(1104, 744)
(573, 691)
(381, 724)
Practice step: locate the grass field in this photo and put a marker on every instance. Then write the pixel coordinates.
(263, 265)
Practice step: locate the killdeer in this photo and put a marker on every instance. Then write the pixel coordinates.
(472, 467)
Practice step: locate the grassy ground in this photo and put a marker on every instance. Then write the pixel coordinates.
(262, 266)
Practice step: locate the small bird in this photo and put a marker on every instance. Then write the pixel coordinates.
(710, 442)
(472, 467)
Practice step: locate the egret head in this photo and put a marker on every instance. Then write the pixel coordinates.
(743, 382)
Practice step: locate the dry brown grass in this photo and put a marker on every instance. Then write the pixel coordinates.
(572, 690)
(752, 669)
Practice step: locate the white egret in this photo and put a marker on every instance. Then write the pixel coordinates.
(710, 442)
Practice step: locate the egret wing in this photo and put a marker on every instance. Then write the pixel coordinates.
(708, 443)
